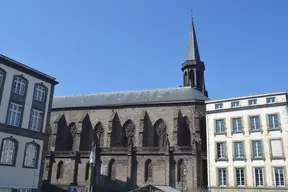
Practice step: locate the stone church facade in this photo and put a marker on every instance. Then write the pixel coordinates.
(139, 137)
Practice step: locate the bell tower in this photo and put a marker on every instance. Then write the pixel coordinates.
(193, 68)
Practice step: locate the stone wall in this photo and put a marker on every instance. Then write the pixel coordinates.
(128, 174)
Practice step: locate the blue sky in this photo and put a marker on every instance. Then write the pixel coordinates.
(111, 45)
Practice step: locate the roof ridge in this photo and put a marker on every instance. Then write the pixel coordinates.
(115, 92)
(179, 94)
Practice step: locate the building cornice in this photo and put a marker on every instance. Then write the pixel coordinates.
(26, 69)
(247, 107)
(214, 101)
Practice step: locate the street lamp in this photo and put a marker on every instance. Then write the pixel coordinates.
(91, 172)
(184, 174)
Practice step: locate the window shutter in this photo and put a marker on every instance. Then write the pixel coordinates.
(276, 147)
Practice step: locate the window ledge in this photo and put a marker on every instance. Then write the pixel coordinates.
(241, 186)
(7, 165)
(260, 186)
(258, 158)
(238, 132)
(239, 159)
(275, 129)
(221, 133)
(38, 131)
(27, 167)
(255, 130)
(222, 186)
(221, 159)
(277, 158)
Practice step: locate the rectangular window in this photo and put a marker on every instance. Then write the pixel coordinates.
(19, 86)
(219, 106)
(8, 152)
(258, 176)
(1, 79)
(14, 114)
(220, 126)
(279, 178)
(273, 121)
(237, 124)
(254, 123)
(5, 190)
(235, 104)
(240, 177)
(252, 102)
(276, 148)
(222, 177)
(238, 150)
(23, 190)
(256, 149)
(40, 93)
(220, 150)
(36, 120)
(270, 100)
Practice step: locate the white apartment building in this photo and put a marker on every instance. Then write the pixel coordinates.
(247, 142)
(25, 102)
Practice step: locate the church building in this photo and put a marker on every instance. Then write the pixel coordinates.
(139, 138)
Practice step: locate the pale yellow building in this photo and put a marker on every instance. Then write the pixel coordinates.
(247, 142)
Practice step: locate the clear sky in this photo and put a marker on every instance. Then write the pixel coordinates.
(95, 46)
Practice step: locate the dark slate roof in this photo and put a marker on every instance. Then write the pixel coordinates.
(193, 50)
(129, 98)
(22, 67)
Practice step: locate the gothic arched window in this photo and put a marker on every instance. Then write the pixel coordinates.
(148, 176)
(60, 170)
(86, 134)
(98, 138)
(192, 78)
(160, 127)
(184, 134)
(61, 137)
(112, 170)
(129, 131)
(72, 130)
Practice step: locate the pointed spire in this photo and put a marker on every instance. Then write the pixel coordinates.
(193, 51)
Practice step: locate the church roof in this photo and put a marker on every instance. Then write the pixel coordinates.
(129, 98)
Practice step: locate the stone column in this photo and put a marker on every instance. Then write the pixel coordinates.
(129, 171)
(175, 131)
(130, 163)
(167, 160)
(141, 132)
(109, 133)
(74, 162)
(167, 168)
(49, 161)
(76, 141)
(53, 137)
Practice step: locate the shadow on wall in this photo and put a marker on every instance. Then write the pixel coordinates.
(104, 185)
